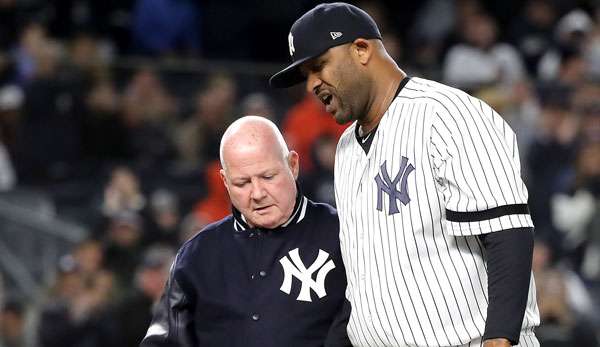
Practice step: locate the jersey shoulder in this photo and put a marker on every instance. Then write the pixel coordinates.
(435, 92)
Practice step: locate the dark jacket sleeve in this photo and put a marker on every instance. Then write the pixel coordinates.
(172, 324)
(338, 333)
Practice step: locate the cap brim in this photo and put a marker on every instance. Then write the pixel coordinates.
(289, 76)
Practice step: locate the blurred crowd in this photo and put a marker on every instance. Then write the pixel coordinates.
(131, 152)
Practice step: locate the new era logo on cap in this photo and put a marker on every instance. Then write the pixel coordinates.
(335, 34)
(291, 44)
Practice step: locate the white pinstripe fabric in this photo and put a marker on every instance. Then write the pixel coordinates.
(414, 278)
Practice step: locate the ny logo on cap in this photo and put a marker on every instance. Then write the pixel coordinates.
(335, 34)
(291, 44)
(386, 185)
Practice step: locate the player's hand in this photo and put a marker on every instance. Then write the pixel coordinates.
(497, 343)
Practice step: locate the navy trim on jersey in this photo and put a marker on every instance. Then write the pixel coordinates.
(492, 213)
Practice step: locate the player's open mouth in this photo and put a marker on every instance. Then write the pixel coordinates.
(325, 98)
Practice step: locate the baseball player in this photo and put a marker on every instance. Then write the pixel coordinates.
(270, 274)
(436, 235)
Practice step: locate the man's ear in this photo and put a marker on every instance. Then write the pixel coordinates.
(224, 178)
(362, 50)
(294, 163)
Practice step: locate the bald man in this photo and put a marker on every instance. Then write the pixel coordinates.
(269, 274)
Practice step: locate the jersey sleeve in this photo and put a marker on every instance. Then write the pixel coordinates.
(476, 165)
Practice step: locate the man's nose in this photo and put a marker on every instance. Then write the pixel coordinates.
(258, 191)
(312, 82)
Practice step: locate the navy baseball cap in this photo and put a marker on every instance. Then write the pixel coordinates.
(323, 27)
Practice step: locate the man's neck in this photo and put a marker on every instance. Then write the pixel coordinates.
(384, 93)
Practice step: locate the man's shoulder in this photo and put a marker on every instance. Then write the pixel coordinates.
(323, 209)
(206, 238)
(321, 212)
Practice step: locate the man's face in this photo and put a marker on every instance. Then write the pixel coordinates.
(262, 185)
(336, 81)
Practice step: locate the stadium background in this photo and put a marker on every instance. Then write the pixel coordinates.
(111, 114)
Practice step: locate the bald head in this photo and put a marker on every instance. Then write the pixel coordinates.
(259, 171)
(252, 133)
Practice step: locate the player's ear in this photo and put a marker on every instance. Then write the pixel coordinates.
(362, 50)
(294, 163)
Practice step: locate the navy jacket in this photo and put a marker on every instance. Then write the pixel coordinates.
(232, 285)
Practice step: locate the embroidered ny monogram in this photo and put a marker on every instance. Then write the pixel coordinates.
(388, 186)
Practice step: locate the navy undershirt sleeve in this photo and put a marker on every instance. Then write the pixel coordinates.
(509, 254)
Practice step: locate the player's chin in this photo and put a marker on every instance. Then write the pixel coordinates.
(342, 118)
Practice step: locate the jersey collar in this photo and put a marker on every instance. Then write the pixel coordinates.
(298, 214)
(366, 140)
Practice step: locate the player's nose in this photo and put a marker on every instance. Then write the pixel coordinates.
(312, 82)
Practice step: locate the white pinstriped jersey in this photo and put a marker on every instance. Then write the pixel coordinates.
(442, 167)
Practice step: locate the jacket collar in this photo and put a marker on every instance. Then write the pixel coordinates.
(298, 214)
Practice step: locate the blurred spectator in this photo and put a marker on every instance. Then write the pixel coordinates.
(149, 115)
(489, 61)
(561, 326)
(532, 31)
(198, 137)
(432, 33)
(303, 124)
(164, 218)
(134, 313)
(191, 224)
(103, 108)
(123, 247)
(318, 185)
(216, 204)
(571, 33)
(85, 57)
(9, 17)
(49, 143)
(11, 98)
(577, 212)
(122, 193)
(166, 26)
(577, 296)
(12, 324)
(76, 313)
(551, 156)
(89, 257)
(257, 104)
(32, 39)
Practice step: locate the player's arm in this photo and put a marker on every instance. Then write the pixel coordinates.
(475, 158)
(509, 254)
(172, 321)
